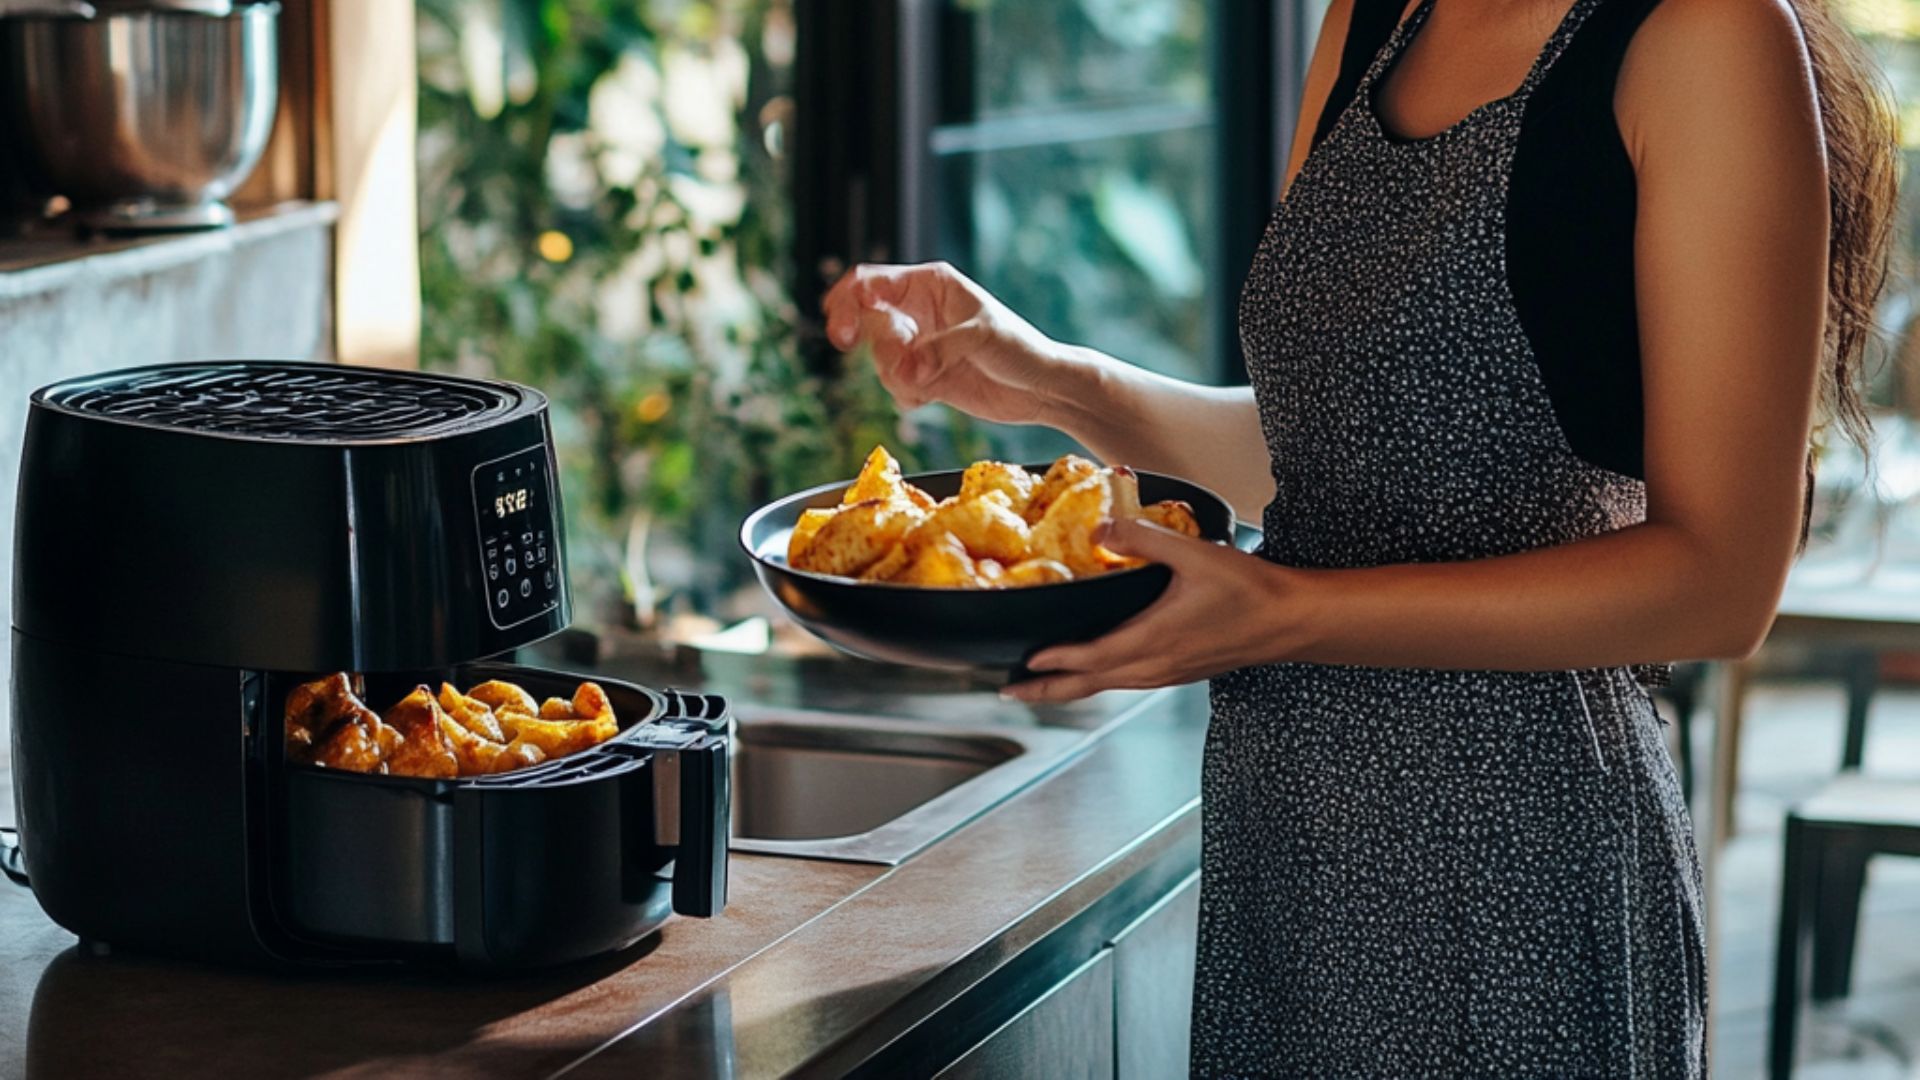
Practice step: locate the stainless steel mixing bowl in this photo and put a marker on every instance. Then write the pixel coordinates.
(143, 119)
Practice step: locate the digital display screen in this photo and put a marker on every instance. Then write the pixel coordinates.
(519, 545)
(512, 502)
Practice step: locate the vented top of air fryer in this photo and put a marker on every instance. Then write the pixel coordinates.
(292, 402)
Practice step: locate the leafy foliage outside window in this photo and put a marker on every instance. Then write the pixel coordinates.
(604, 217)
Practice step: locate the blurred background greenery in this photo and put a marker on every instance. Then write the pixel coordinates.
(604, 215)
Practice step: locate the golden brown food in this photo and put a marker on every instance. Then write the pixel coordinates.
(359, 745)
(504, 697)
(803, 530)
(424, 749)
(858, 536)
(558, 737)
(941, 564)
(1173, 514)
(986, 526)
(879, 479)
(494, 727)
(327, 724)
(1036, 572)
(471, 713)
(590, 702)
(1013, 481)
(1069, 470)
(478, 755)
(1004, 529)
(889, 565)
(1065, 534)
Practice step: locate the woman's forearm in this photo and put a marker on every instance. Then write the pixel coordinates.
(1128, 415)
(1645, 594)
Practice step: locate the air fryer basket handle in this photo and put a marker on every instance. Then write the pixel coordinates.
(693, 806)
(706, 817)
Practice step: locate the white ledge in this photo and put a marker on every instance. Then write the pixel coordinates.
(52, 261)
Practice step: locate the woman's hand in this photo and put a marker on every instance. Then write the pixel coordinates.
(1223, 610)
(938, 336)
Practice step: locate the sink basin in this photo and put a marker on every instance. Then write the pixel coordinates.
(860, 789)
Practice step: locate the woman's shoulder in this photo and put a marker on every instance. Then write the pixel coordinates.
(1728, 62)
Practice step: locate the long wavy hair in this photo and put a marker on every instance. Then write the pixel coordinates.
(1861, 130)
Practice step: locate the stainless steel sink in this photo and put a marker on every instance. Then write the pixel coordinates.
(829, 786)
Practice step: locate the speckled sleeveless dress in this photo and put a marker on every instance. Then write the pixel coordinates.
(1421, 873)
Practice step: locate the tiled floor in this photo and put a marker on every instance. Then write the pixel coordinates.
(1791, 746)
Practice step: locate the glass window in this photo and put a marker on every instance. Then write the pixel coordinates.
(1075, 160)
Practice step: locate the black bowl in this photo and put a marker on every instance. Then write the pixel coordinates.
(960, 629)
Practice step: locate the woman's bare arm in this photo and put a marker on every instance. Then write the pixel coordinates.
(1717, 104)
(1718, 108)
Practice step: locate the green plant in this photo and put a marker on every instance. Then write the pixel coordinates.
(604, 216)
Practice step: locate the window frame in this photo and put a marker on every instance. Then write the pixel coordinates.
(866, 125)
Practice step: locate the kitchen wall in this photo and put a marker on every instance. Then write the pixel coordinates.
(262, 289)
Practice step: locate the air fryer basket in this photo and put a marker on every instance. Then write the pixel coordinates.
(545, 864)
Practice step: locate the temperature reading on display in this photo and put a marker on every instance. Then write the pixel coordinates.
(510, 503)
(519, 541)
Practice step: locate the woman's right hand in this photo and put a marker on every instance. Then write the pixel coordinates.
(938, 336)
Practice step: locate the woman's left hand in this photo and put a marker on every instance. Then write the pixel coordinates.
(1223, 610)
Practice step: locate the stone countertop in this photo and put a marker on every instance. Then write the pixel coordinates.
(812, 964)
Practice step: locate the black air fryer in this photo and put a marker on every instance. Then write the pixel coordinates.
(195, 540)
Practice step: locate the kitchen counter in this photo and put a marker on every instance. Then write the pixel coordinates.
(815, 967)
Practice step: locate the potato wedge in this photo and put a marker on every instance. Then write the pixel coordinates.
(986, 526)
(857, 537)
(803, 532)
(590, 702)
(1065, 534)
(558, 737)
(890, 564)
(504, 697)
(1036, 572)
(941, 564)
(1173, 514)
(476, 755)
(879, 479)
(1069, 470)
(471, 713)
(1013, 481)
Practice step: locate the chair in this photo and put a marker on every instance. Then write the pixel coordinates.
(1829, 839)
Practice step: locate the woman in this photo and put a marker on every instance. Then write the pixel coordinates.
(1536, 336)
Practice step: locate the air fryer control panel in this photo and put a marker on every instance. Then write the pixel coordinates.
(519, 545)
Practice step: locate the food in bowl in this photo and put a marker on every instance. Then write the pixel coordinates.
(494, 727)
(1005, 528)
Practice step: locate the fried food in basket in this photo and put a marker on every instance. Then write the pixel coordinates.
(327, 724)
(424, 749)
(1006, 529)
(493, 727)
(504, 697)
(471, 713)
